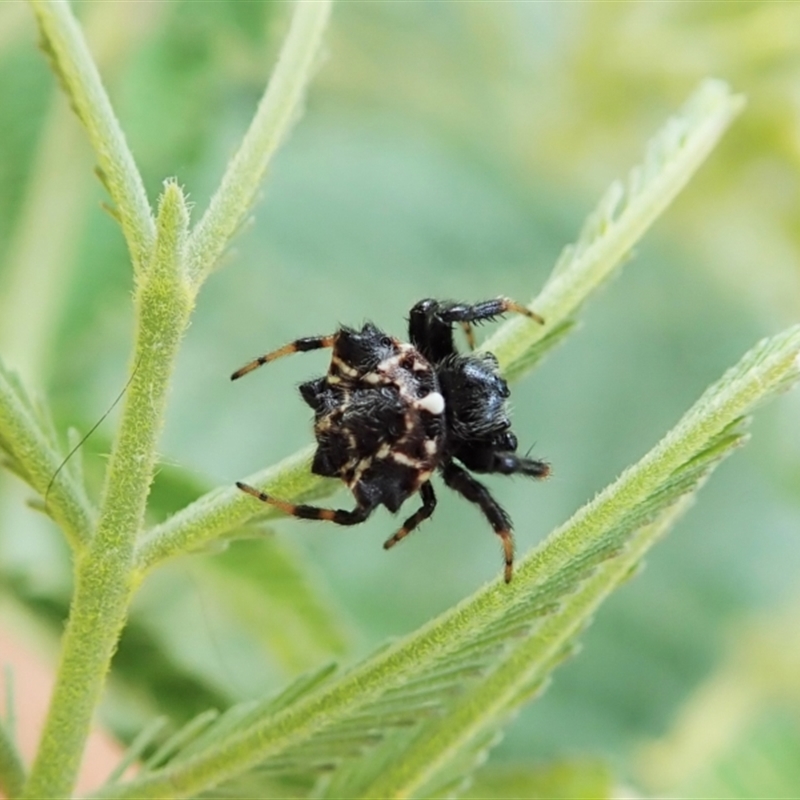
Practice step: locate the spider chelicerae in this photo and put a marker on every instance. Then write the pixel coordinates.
(388, 414)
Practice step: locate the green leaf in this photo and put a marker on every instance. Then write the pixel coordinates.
(243, 714)
(27, 438)
(178, 740)
(448, 748)
(474, 665)
(621, 218)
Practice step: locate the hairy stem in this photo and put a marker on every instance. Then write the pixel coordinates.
(276, 112)
(64, 43)
(225, 509)
(104, 572)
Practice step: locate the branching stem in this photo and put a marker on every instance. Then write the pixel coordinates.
(104, 572)
(169, 271)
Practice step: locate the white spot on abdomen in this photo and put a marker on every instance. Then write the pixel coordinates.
(433, 403)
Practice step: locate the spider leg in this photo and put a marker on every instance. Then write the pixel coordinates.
(462, 482)
(430, 322)
(339, 516)
(297, 346)
(469, 333)
(485, 310)
(505, 463)
(420, 515)
(428, 333)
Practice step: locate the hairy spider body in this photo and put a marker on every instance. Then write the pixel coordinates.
(388, 414)
(377, 417)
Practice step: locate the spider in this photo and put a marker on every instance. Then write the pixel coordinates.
(388, 414)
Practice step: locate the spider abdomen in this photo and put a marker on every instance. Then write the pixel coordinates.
(378, 417)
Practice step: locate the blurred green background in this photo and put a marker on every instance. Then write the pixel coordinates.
(447, 150)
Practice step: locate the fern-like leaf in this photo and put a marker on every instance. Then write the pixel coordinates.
(621, 218)
(474, 665)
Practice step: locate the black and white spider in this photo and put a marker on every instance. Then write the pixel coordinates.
(389, 414)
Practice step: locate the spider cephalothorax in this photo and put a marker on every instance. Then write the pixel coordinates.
(388, 414)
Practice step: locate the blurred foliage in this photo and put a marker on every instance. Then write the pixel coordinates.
(561, 780)
(449, 149)
(738, 734)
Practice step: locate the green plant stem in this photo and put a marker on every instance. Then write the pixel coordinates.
(38, 269)
(104, 572)
(228, 508)
(64, 42)
(276, 112)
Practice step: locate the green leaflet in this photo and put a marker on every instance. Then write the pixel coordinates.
(535, 636)
(30, 444)
(137, 747)
(623, 215)
(447, 750)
